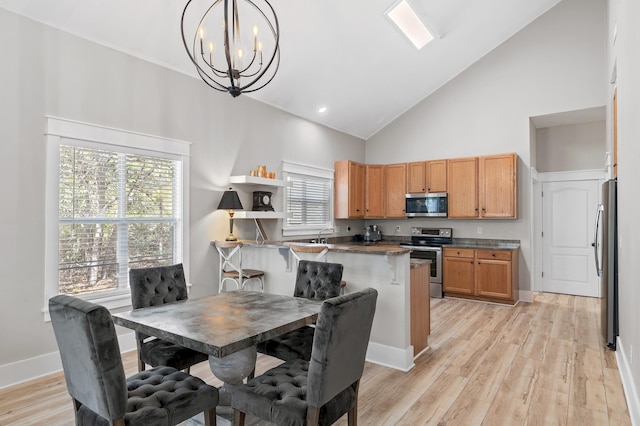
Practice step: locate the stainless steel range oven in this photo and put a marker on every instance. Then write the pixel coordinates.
(426, 243)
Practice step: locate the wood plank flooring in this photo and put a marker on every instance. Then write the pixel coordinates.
(540, 363)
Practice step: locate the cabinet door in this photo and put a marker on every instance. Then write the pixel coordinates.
(356, 190)
(374, 190)
(396, 188)
(494, 278)
(436, 175)
(420, 308)
(462, 181)
(348, 190)
(416, 177)
(458, 275)
(497, 186)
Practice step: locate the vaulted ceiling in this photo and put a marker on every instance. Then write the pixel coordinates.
(344, 54)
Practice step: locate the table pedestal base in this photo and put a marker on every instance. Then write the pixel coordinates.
(232, 369)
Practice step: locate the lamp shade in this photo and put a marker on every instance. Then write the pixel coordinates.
(230, 201)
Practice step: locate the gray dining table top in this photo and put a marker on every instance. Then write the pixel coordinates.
(224, 323)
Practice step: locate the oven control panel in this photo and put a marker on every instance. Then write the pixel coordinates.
(431, 232)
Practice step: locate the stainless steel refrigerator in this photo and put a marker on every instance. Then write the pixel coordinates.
(605, 245)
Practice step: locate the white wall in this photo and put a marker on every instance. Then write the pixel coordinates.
(46, 71)
(555, 64)
(624, 15)
(571, 147)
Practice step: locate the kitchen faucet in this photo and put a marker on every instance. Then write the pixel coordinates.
(318, 240)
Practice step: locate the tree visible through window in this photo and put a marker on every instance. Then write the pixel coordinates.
(116, 211)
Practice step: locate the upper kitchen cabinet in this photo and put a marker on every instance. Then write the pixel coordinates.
(395, 189)
(483, 187)
(374, 191)
(437, 176)
(417, 177)
(427, 176)
(497, 188)
(462, 177)
(349, 187)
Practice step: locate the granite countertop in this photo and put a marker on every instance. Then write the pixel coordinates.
(483, 243)
(389, 247)
(377, 248)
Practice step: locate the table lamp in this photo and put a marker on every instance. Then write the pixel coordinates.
(230, 202)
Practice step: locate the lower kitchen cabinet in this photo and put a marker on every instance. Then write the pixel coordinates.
(481, 274)
(420, 306)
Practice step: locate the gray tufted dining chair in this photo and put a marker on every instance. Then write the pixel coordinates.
(315, 281)
(96, 380)
(321, 390)
(157, 286)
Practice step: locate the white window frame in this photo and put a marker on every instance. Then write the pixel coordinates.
(68, 132)
(311, 171)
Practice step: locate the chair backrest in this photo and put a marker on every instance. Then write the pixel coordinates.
(157, 286)
(230, 253)
(90, 355)
(318, 280)
(319, 251)
(340, 344)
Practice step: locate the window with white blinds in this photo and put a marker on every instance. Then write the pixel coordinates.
(115, 200)
(117, 211)
(308, 199)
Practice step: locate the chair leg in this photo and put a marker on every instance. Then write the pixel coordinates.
(313, 416)
(210, 417)
(188, 370)
(141, 365)
(353, 413)
(238, 418)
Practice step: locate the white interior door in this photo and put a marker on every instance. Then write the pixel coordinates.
(568, 215)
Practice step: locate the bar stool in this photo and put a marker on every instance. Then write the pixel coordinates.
(231, 268)
(319, 253)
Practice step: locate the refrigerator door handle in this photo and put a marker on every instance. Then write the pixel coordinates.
(595, 239)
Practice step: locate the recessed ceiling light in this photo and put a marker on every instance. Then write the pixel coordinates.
(403, 15)
(322, 109)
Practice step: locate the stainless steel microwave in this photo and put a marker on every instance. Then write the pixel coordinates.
(426, 205)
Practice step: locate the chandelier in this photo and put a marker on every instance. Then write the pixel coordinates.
(229, 55)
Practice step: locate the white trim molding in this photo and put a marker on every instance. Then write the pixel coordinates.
(388, 356)
(28, 369)
(630, 388)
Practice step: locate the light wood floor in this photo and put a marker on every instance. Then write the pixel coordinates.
(536, 364)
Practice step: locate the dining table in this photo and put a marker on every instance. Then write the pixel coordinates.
(226, 326)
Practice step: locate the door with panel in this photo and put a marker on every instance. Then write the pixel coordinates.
(374, 191)
(462, 182)
(395, 190)
(497, 190)
(568, 217)
(436, 176)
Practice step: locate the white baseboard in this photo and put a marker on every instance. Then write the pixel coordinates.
(43, 365)
(399, 359)
(32, 368)
(630, 388)
(525, 296)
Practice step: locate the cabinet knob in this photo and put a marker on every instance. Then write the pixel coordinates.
(493, 254)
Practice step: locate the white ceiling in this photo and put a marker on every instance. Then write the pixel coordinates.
(344, 54)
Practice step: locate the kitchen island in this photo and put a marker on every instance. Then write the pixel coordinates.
(384, 267)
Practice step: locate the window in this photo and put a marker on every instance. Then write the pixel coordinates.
(111, 206)
(308, 199)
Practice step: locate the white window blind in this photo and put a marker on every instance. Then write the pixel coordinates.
(308, 199)
(117, 211)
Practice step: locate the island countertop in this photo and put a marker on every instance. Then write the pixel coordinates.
(377, 248)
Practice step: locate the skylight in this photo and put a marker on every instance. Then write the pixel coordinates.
(403, 15)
